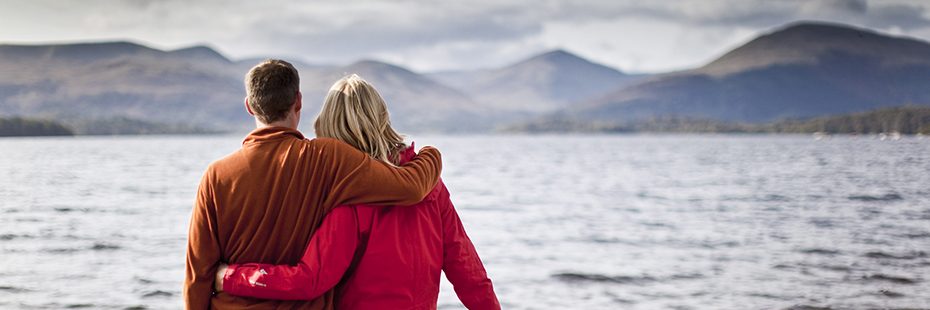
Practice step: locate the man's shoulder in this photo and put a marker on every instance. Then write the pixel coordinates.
(321, 148)
(324, 142)
(225, 164)
(227, 159)
(329, 145)
(240, 158)
(319, 143)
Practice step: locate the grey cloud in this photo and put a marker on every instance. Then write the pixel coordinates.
(485, 31)
(380, 32)
(754, 14)
(478, 31)
(853, 6)
(904, 16)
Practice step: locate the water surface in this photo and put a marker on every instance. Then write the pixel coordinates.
(561, 222)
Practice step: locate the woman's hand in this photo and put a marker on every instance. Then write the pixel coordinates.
(220, 272)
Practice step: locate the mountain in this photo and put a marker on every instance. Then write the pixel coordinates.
(201, 54)
(416, 102)
(802, 70)
(90, 81)
(118, 87)
(542, 83)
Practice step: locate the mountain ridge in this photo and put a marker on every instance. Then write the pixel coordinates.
(91, 83)
(787, 73)
(796, 71)
(544, 82)
(801, 42)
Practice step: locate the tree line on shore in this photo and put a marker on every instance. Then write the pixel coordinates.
(20, 127)
(908, 120)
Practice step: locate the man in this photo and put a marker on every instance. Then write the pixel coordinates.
(263, 202)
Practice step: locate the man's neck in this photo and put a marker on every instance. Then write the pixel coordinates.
(283, 123)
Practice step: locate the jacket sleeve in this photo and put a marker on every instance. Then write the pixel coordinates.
(361, 179)
(323, 264)
(203, 250)
(461, 263)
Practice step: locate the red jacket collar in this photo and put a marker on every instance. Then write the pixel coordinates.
(407, 154)
(271, 134)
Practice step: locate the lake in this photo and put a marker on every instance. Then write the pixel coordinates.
(561, 222)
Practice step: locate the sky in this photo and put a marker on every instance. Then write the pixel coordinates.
(426, 36)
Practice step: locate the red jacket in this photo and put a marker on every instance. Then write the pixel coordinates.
(380, 257)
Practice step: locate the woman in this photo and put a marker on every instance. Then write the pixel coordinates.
(380, 257)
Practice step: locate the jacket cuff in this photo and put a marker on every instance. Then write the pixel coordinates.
(229, 279)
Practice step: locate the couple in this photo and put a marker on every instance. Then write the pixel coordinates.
(353, 219)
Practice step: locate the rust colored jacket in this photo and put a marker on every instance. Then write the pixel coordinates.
(263, 202)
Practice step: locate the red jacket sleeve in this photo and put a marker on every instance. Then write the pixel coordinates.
(461, 263)
(326, 259)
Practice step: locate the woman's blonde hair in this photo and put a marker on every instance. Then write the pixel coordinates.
(355, 113)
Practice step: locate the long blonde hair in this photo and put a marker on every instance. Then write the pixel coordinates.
(355, 113)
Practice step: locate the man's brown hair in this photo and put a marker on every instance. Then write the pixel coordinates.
(271, 88)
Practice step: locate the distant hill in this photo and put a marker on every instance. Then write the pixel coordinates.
(120, 79)
(200, 54)
(546, 82)
(127, 88)
(416, 102)
(802, 70)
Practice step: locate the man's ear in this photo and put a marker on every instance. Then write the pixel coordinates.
(298, 102)
(248, 108)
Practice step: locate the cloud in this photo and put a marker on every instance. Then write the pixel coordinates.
(426, 35)
(431, 35)
(388, 28)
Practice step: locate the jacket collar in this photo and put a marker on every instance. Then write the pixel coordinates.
(407, 154)
(271, 134)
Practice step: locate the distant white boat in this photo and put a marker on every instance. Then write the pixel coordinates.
(820, 135)
(893, 136)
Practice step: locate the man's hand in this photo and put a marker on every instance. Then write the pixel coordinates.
(220, 272)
